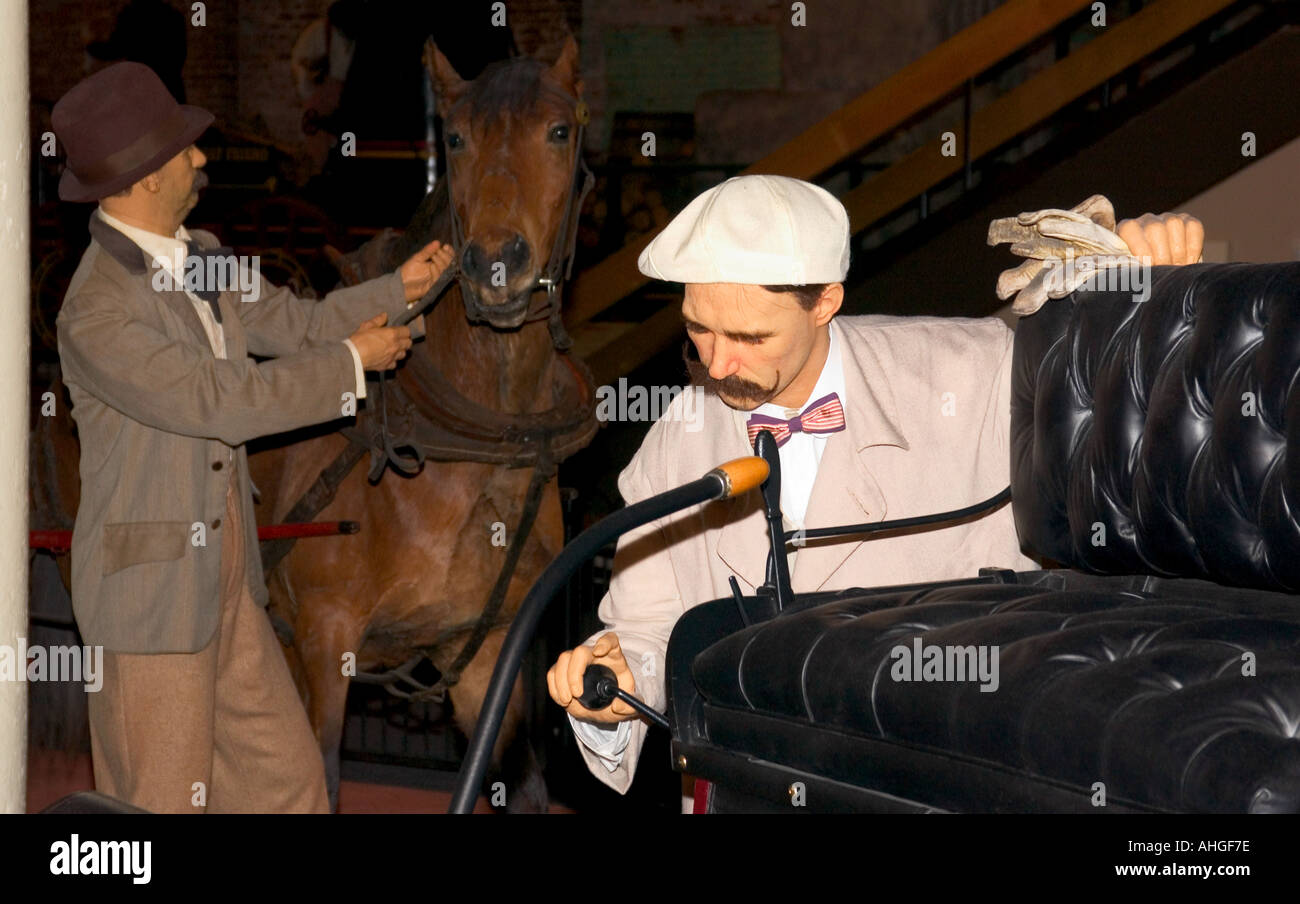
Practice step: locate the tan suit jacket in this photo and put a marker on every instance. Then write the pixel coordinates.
(159, 416)
(909, 448)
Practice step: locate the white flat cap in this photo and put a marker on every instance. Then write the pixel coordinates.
(756, 230)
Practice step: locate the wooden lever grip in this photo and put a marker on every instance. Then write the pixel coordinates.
(742, 474)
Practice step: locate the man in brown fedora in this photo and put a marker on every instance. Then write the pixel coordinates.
(197, 710)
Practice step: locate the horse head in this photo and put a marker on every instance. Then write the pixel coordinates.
(511, 137)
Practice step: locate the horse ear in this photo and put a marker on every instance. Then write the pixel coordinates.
(565, 68)
(447, 84)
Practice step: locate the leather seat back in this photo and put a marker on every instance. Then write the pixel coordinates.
(1162, 436)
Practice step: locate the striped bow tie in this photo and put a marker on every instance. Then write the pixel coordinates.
(826, 415)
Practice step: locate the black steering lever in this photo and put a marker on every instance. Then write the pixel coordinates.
(600, 689)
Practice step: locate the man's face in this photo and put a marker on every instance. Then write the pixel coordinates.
(180, 181)
(752, 343)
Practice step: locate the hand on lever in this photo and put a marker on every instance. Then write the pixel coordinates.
(564, 680)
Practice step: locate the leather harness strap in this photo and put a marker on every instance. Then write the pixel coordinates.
(542, 475)
(319, 495)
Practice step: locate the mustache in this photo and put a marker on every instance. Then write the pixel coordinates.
(733, 386)
(200, 180)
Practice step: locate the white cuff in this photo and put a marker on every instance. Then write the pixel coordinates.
(360, 371)
(607, 744)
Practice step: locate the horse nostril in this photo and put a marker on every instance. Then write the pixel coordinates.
(516, 254)
(472, 261)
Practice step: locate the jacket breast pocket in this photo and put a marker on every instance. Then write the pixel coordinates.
(134, 542)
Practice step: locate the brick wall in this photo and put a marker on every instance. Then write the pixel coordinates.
(266, 32)
(60, 30)
(237, 64)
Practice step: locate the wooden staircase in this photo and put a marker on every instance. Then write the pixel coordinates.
(949, 72)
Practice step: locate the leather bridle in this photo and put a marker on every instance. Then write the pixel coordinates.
(563, 247)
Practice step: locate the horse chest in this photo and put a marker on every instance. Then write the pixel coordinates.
(452, 563)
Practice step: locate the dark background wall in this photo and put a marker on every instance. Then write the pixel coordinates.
(749, 79)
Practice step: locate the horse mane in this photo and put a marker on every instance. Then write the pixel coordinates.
(431, 220)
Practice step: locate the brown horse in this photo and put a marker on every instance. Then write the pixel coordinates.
(430, 547)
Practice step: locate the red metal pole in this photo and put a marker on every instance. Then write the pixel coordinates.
(60, 541)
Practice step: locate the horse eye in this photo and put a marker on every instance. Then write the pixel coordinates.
(560, 133)
(454, 140)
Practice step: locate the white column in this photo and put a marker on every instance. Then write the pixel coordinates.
(15, 313)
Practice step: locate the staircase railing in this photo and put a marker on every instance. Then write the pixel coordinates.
(944, 74)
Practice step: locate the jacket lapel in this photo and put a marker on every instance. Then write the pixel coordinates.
(134, 260)
(845, 492)
(179, 302)
(742, 541)
(228, 300)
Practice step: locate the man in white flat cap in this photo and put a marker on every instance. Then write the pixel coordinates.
(875, 417)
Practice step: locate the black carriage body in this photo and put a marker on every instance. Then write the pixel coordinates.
(1159, 673)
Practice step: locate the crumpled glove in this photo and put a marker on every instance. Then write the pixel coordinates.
(1084, 235)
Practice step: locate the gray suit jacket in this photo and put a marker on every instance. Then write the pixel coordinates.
(159, 415)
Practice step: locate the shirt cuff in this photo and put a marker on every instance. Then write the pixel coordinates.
(359, 370)
(607, 744)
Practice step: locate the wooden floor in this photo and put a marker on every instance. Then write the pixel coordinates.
(52, 775)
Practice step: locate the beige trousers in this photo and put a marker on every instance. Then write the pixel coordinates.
(221, 730)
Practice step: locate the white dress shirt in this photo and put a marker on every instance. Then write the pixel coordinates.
(163, 250)
(800, 456)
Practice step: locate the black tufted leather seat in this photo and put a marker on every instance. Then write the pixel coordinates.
(1160, 671)
(1167, 423)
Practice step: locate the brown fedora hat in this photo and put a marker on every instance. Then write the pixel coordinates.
(118, 126)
